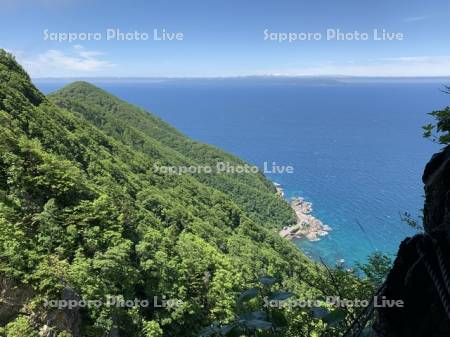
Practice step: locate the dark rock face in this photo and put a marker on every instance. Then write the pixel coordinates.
(420, 276)
(437, 191)
(12, 298)
(64, 319)
(423, 313)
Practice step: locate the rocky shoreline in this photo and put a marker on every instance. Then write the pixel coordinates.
(280, 191)
(307, 226)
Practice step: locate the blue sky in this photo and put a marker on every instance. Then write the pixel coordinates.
(226, 38)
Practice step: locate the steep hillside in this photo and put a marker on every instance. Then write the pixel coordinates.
(148, 134)
(84, 214)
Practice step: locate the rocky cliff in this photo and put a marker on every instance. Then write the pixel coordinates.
(420, 276)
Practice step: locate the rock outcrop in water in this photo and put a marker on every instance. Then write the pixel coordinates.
(307, 226)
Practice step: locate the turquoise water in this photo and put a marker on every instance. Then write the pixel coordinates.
(356, 148)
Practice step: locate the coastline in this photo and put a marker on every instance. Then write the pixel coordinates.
(280, 191)
(307, 226)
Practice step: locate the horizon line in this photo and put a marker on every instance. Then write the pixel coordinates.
(247, 76)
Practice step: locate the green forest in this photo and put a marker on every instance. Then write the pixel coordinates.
(85, 215)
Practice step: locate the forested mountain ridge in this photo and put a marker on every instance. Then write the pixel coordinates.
(148, 134)
(85, 214)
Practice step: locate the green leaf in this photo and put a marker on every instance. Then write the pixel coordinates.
(209, 331)
(427, 130)
(280, 296)
(226, 329)
(367, 332)
(335, 317)
(258, 324)
(267, 280)
(318, 312)
(248, 316)
(248, 294)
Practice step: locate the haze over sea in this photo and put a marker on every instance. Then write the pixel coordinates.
(356, 145)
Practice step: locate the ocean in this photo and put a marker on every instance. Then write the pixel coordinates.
(356, 146)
